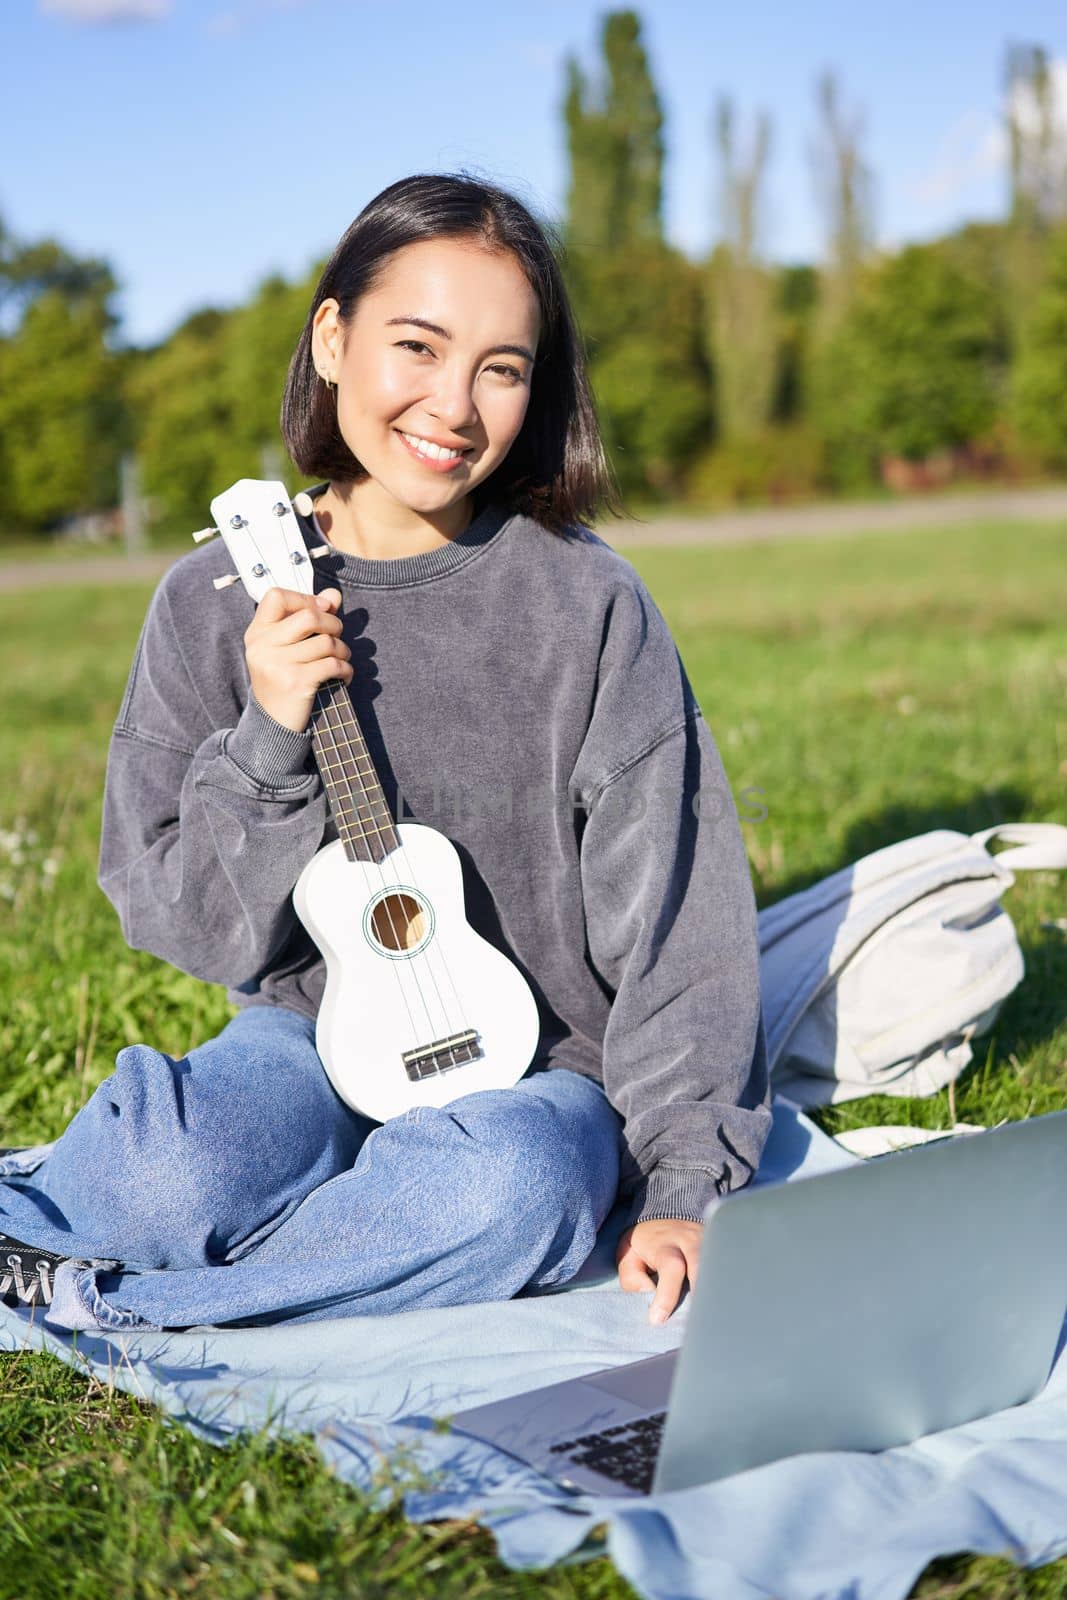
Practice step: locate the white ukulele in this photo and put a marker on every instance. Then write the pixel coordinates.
(418, 1009)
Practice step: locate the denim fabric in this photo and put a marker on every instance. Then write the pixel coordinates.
(233, 1185)
(521, 693)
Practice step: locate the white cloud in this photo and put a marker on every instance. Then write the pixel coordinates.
(245, 13)
(104, 11)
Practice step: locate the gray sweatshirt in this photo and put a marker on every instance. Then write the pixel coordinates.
(521, 693)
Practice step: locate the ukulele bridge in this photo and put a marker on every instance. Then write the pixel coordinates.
(442, 1055)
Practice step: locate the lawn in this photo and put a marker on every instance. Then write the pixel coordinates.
(872, 688)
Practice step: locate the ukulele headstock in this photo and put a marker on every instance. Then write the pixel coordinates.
(256, 519)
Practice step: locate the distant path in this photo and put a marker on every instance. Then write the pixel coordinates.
(829, 519)
(834, 518)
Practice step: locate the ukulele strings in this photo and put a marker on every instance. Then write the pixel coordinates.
(354, 825)
(348, 714)
(331, 701)
(267, 566)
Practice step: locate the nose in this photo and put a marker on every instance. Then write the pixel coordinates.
(452, 402)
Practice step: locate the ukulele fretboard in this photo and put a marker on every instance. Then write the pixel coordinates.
(357, 800)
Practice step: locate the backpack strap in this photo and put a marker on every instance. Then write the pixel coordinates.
(1042, 845)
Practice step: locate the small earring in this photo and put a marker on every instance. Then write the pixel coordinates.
(330, 383)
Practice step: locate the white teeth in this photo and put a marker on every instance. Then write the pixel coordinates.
(434, 451)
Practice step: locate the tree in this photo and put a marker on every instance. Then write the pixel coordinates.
(917, 358)
(185, 422)
(1039, 378)
(740, 325)
(642, 335)
(615, 144)
(1036, 129)
(636, 299)
(62, 417)
(259, 340)
(844, 189)
(30, 270)
(795, 304)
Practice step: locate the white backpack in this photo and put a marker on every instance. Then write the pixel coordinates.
(876, 979)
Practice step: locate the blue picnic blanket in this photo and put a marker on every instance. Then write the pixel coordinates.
(372, 1391)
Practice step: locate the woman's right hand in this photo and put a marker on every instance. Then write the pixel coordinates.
(292, 647)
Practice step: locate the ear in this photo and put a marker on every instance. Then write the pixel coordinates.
(327, 337)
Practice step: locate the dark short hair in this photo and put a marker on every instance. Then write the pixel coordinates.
(557, 470)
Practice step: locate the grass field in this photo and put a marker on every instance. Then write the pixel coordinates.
(871, 688)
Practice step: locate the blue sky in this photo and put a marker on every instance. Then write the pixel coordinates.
(200, 144)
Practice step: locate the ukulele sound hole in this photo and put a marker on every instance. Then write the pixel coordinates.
(399, 923)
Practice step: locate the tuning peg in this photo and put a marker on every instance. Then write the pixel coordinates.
(321, 550)
(303, 503)
(224, 583)
(204, 533)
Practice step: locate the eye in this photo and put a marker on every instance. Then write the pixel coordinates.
(512, 374)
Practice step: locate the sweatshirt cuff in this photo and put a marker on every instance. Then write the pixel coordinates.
(677, 1193)
(265, 750)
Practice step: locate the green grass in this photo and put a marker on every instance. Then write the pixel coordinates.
(871, 688)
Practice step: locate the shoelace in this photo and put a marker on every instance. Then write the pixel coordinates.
(27, 1290)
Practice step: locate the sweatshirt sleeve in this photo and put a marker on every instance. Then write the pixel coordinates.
(205, 828)
(671, 929)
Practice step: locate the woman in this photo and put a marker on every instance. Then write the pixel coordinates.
(496, 652)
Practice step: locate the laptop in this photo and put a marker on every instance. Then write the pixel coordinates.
(854, 1310)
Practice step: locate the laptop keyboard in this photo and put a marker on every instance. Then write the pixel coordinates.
(626, 1453)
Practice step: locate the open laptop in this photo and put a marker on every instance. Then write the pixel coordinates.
(854, 1310)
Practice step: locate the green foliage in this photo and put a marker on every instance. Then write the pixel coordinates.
(742, 341)
(914, 365)
(259, 342)
(797, 295)
(208, 402)
(740, 326)
(183, 420)
(737, 377)
(61, 415)
(1040, 375)
(615, 199)
(639, 312)
(30, 270)
(779, 465)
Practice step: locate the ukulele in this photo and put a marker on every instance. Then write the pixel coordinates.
(418, 1008)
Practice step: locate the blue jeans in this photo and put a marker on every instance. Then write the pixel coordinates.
(233, 1185)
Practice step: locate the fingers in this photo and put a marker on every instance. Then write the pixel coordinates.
(285, 622)
(278, 603)
(659, 1256)
(633, 1274)
(670, 1271)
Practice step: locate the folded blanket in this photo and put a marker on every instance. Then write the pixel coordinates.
(808, 1528)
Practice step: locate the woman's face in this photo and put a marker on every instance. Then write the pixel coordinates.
(462, 382)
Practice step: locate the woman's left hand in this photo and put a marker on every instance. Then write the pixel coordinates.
(667, 1248)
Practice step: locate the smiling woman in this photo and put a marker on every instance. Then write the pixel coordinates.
(414, 432)
(418, 412)
(489, 642)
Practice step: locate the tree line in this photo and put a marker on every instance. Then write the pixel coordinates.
(719, 380)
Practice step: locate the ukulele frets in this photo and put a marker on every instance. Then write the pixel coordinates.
(442, 1055)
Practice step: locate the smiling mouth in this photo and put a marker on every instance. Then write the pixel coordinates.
(431, 451)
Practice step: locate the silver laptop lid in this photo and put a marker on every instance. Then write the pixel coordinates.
(862, 1308)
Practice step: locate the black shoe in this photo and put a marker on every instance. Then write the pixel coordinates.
(26, 1273)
